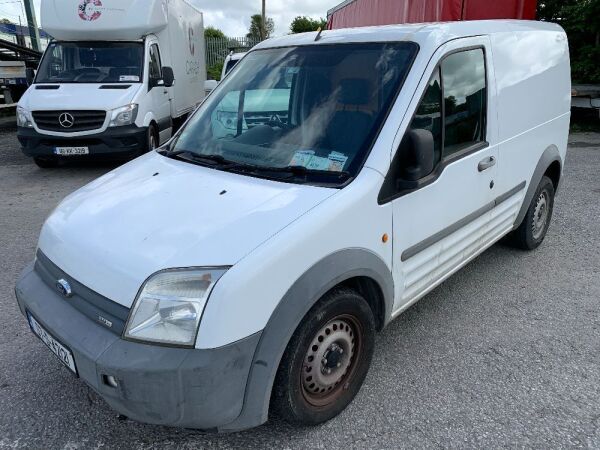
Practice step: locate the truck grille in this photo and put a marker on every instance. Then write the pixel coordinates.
(69, 121)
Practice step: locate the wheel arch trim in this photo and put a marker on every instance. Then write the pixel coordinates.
(550, 156)
(329, 272)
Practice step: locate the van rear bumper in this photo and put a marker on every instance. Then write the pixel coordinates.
(180, 387)
(114, 143)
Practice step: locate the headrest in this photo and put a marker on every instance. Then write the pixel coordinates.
(354, 91)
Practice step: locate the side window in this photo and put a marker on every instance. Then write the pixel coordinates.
(155, 70)
(464, 88)
(429, 114)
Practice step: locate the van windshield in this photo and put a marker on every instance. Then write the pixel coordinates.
(299, 114)
(92, 62)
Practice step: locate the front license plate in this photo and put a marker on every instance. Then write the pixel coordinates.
(71, 151)
(63, 353)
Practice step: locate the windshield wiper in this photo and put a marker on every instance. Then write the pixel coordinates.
(303, 171)
(218, 160)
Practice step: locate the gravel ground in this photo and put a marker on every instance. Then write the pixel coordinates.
(504, 354)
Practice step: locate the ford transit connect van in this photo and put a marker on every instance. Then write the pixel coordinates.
(228, 276)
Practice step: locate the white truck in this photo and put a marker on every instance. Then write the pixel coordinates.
(117, 79)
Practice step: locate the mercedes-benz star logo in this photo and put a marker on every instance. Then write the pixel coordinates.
(64, 288)
(66, 120)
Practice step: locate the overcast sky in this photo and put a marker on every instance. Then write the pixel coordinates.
(231, 16)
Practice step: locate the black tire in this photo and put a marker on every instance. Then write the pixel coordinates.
(152, 139)
(533, 229)
(46, 163)
(341, 320)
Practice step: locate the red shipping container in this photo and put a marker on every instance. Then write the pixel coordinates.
(362, 13)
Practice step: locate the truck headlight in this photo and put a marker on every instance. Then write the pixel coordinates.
(125, 115)
(24, 118)
(169, 306)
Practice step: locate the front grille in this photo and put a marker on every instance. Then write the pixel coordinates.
(81, 120)
(99, 309)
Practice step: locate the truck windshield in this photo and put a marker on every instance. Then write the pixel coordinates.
(299, 114)
(92, 62)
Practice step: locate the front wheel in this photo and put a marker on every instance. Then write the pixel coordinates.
(152, 138)
(532, 231)
(326, 361)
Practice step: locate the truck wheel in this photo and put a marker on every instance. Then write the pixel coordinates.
(532, 231)
(45, 163)
(152, 138)
(326, 361)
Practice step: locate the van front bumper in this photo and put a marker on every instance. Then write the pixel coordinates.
(114, 143)
(181, 387)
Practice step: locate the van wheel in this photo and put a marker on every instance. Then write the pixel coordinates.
(532, 231)
(45, 163)
(152, 138)
(326, 361)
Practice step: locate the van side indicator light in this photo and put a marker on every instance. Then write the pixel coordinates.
(385, 238)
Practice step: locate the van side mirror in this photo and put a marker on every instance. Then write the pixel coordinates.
(29, 75)
(418, 149)
(168, 76)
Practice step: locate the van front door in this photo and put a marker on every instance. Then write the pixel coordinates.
(443, 220)
(159, 94)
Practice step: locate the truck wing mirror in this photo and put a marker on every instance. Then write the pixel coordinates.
(168, 76)
(418, 150)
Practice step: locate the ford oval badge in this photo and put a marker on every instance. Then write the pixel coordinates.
(64, 288)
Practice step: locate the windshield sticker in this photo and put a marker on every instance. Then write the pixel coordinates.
(302, 158)
(338, 161)
(131, 78)
(335, 162)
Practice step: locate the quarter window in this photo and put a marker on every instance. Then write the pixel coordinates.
(464, 88)
(429, 114)
(155, 63)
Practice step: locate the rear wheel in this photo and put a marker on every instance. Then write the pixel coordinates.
(326, 360)
(45, 162)
(532, 231)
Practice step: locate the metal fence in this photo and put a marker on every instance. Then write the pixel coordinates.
(217, 49)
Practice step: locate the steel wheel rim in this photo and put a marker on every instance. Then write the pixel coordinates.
(152, 142)
(331, 360)
(540, 215)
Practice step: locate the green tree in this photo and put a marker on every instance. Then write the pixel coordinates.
(256, 26)
(303, 24)
(581, 21)
(213, 33)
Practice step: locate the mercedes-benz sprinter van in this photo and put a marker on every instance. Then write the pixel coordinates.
(116, 79)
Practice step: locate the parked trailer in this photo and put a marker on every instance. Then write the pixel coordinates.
(362, 13)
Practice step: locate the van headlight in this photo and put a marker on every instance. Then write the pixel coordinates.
(169, 306)
(228, 119)
(125, 115)
(24, 118)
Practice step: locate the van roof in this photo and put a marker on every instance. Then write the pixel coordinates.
(432, 34)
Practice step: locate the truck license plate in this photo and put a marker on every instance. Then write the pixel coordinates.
(63, 353)
(71, 151)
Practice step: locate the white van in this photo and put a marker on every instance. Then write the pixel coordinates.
(217, 280)
(115, 80)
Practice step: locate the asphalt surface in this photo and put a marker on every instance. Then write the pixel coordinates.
(504, 354)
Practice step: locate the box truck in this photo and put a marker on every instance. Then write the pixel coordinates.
(362, 13)
(116, 79)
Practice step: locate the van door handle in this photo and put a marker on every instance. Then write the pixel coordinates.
(486, 164)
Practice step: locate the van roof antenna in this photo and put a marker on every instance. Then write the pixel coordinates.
(319, 31)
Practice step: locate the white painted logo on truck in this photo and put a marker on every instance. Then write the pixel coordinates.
(90, 10)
